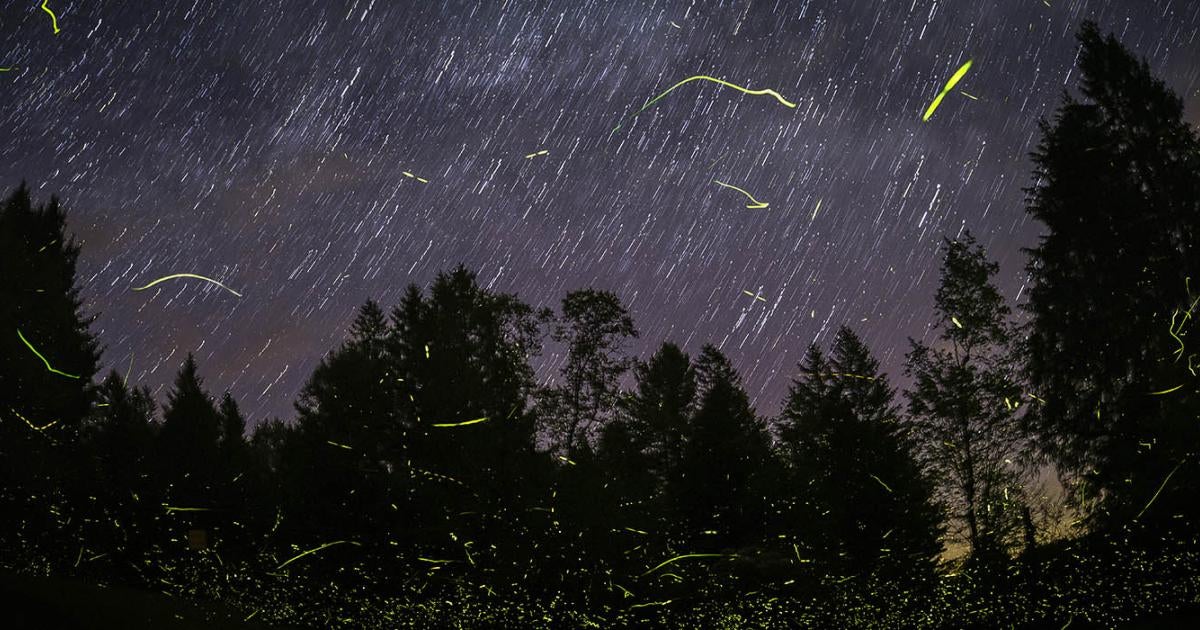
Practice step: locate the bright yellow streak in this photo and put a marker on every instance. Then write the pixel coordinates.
(461, 424)
(6, 69)
(885, 486)
(1166, 391)
(1159, 491)
(32, 425)
(171, 508)
(757, 203)
(39, 355)
(815, 210)
(339, 445)
(187, 275)
(53, 18)
(662, 603)
(420, 179)
(946, 90)
(686, 555)
(315, 550)
(956, 322)
(434, 561)
(739, 88)
(533, 155)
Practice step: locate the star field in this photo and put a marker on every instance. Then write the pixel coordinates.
(265, 145)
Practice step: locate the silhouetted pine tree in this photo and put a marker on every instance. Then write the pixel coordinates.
(964, 402)
(349, 439)
(40, 410)
(463, 353)
(1118, 191)
(726, 453)
(120, 440)
(870, 505)
(659, 412)
(189, 442)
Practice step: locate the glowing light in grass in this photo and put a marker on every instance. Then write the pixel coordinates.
(685, 556)
(315, 550)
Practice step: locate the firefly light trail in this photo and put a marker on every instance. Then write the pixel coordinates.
(314, 550)
(39, 355)
(187, 275)
(757, 203)
(698, 77)
(946, 90)
(461, 424)
(53, 18)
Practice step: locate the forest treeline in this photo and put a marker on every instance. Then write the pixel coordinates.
(425, 458)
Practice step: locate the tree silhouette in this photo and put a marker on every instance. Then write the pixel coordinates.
(119, 442)
(463, 354)
(725, 453)
(964, 401)
(872, 506)
(189, 441)
(349, 439)
(659, 411)
(50, 358)
(1118, 191)
(593, 326)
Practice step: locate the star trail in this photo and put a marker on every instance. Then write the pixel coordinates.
(315, 154)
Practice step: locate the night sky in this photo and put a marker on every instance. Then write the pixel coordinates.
(264, 144)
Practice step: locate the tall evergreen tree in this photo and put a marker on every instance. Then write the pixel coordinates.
(463, 353)
(724, 463)
(965, 400)
(872, 506)
(49, 360)
(1118, 191)
(189, 441)
(659, 411)
(349, 437)
(120, 440)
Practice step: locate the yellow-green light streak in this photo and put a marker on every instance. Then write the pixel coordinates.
(946, 90)
(32, 425)
(684, 556)
(757, 203)
(1167, 391)
(53, 18)
(187, 275)
(533, 155)
(763, 92)
(885, 486)
(461, 424)
(39, 355)
(1159, 491)
(315, 550)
